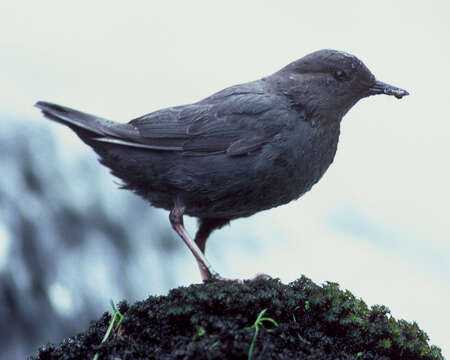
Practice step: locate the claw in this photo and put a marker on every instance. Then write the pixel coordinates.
(217, 277)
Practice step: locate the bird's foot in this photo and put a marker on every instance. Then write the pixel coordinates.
(261, 276)
(217, 277)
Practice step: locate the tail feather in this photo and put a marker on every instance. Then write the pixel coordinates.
(77, 120)
(94, 130)
(118, 145)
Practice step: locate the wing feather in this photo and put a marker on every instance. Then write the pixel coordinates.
(236, 122)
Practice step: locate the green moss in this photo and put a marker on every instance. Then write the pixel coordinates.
(205, 321)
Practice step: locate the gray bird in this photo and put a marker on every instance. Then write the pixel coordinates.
(247, 148)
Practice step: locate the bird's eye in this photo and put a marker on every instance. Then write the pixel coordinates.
(340, 75)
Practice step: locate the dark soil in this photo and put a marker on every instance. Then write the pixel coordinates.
(216, 321)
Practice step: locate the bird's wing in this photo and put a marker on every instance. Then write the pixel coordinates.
(234, 122)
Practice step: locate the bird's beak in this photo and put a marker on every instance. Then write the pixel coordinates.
(382, 88)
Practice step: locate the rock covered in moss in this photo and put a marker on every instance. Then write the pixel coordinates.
(217, 321)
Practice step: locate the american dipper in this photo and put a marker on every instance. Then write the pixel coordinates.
(247, 148)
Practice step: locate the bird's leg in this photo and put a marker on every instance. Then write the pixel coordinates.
(176, 219)
(206, 227)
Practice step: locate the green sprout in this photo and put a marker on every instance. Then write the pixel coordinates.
(200, 332)
(217, 342)
(259, 322)
(116, 314)
(307, 306)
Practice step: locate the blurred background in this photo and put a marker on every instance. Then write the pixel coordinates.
(70, 241)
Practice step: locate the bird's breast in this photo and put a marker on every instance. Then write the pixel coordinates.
(303, 159)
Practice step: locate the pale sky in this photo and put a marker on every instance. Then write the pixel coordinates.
(377, 223)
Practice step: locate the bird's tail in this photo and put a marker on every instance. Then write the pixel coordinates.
(114, 142)
(86, 126)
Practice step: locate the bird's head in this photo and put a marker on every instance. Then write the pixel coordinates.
(330, 82)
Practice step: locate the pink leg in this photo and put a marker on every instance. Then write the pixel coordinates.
(176, 219)
(206, 270)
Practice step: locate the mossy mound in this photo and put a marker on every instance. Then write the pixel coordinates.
(216, 321)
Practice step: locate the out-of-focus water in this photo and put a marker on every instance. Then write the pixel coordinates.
(69, 240)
